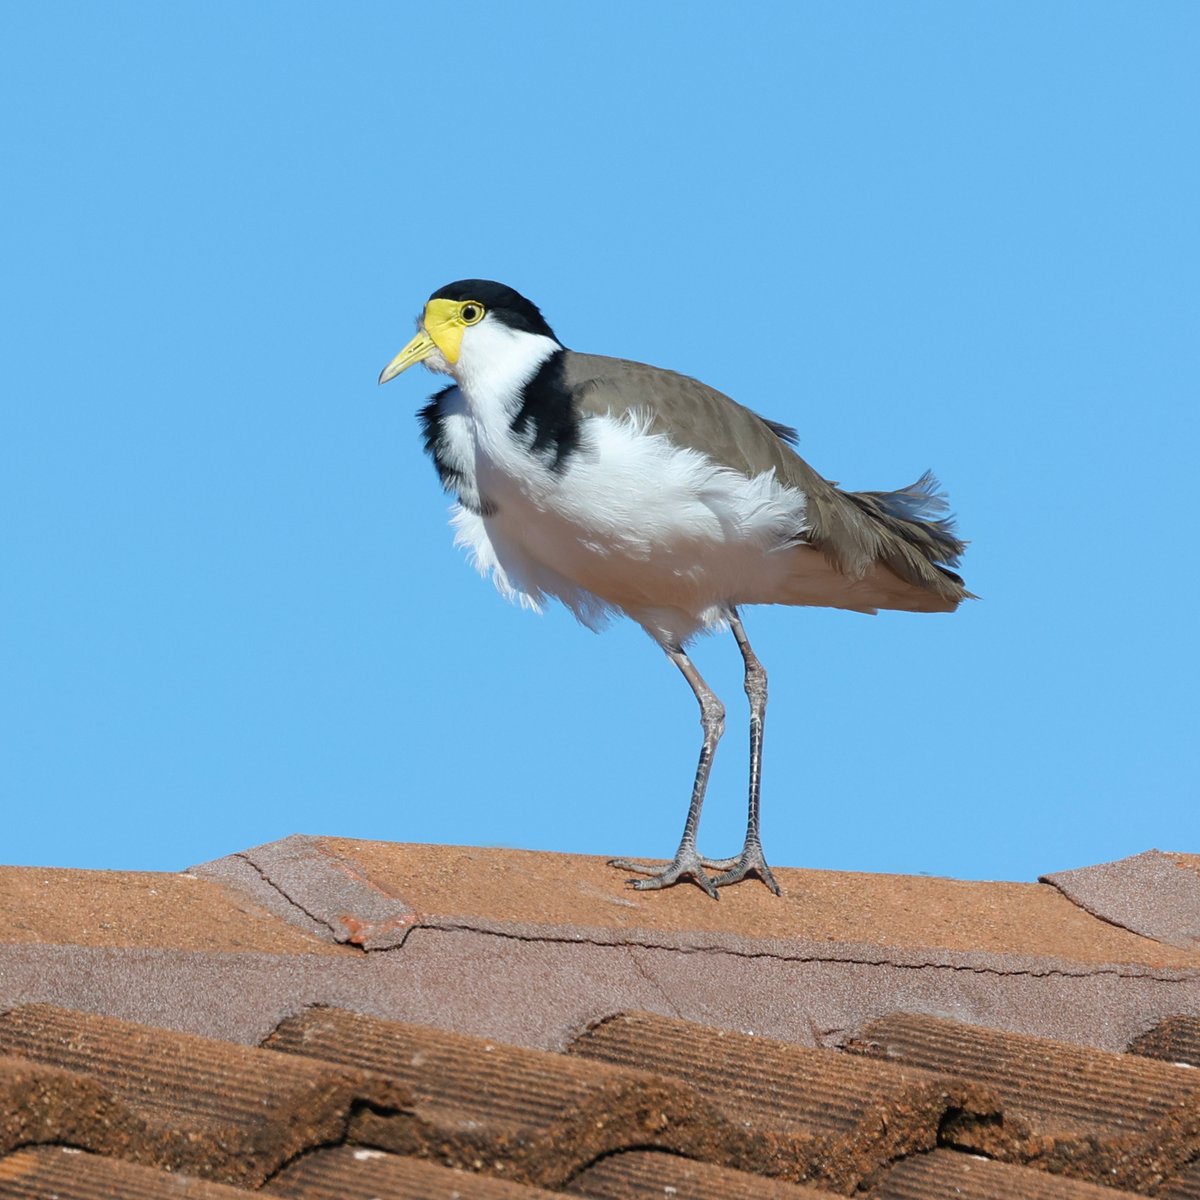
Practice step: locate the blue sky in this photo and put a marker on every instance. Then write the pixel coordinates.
(959, 236)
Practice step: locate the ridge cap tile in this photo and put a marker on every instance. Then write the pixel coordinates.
(186, 1103)
(67, 906)
(803, 1113)
(324, 895)
(545, 893)
(304, 880)
(1094, 1115)
(1153, 894)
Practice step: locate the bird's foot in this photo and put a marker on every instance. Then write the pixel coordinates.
(685, 865)
(734, 870)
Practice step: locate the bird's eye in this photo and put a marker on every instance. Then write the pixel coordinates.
(471, 313)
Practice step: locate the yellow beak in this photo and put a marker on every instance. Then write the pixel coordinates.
(418, 350)
(441, 329)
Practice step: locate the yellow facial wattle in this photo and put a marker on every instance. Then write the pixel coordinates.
(442, 326)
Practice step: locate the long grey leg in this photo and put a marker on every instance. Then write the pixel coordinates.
(751, 860)
(686, 864)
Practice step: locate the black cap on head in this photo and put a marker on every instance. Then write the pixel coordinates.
(506, 305)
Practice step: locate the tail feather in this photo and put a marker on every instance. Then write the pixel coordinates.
(919, 514)
(909, 532)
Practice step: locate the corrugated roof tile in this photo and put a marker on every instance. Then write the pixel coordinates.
(1111, 1118)
(523, 1114)
(1177, 1040)
(198, 1105)
(62, 1173)
(348, 1173)
(798, 1113)
(499, 947)
(40, 1103)
(946, 1175)
(1185, 1186)
(654, 1174)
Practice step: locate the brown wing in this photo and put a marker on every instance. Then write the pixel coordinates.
(855, 530)
(688, 412)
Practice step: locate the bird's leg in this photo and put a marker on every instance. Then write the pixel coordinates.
(751, 859)
(686, 864)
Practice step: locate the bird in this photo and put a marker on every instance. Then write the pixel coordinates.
(623, 489)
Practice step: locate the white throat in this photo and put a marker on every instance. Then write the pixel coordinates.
(495, 361)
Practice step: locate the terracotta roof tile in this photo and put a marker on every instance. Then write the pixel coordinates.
(1111, 1118)
(61, 1173)
(350, 1173)
(511, 954)
(523, 1114)
(39, 1103)
(802, 1114)
(1185, 1186)
(945, 1175)
(188, 1103)
(529, 947)
(654, 1174)
(1177, 1039)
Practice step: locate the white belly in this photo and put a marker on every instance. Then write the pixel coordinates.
(632, 523)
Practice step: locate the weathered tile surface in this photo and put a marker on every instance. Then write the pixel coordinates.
(1116, 1119)
(802, 1114)
(191, 1104)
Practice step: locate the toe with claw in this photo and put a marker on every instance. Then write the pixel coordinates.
(749, 862)
(682, 866)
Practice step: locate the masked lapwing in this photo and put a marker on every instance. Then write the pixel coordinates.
(617, 487)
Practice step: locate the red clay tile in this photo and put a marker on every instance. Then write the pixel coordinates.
(1177, 1040)
(523, 1114)
(802, 1114)
(60, 1173)
(347, 1173)
(949, 1175)
(192, 1104)
(654, 1174)
(1110, 1118)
